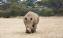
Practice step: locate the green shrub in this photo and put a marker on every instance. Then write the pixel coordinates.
(46, 12)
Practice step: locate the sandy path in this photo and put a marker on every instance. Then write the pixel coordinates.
(48, 27)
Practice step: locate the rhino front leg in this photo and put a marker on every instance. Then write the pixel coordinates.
(34, 28)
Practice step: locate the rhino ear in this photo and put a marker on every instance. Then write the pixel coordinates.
(25, 18)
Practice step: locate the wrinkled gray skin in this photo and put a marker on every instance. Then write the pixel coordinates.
(31, 20)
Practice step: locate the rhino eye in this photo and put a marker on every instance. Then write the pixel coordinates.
(25, 18)
(30, 18)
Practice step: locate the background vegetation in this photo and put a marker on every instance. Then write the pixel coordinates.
(43, 8)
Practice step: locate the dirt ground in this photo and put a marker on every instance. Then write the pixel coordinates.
(48, 27)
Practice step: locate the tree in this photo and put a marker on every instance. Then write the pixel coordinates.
(56, 5)
(30, 3)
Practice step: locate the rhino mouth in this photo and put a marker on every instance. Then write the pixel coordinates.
(27, 31)
(32, 31)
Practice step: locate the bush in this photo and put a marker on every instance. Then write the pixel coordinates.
(46, 12)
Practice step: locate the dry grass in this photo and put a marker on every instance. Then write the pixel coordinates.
(48, 27)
